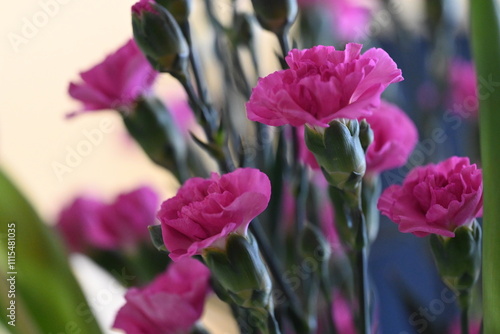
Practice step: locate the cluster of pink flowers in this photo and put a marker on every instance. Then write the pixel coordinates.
(88, 223)
(171, 304)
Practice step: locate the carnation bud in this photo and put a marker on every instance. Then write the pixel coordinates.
(243, 33)
(458, 259)
(314, 244)
(153, 127)
(365, 134)
(240, 270)
(275, 15)
(180, 9)
(157, 237)
(339, 152)
(159, 37)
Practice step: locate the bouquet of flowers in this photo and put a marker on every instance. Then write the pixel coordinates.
(284, 175)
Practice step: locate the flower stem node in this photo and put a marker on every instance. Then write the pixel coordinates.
(275, 15)
(159, 37)
(339, 152)
(241, 271)
(458, 259)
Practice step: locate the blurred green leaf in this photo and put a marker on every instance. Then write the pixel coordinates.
(48, 297)
(485, 26)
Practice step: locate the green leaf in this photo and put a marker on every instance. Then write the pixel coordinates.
(48, 297)
(485, 26)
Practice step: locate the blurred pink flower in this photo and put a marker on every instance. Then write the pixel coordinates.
(116, 82)
(89, 223)
(125, 222)
(395, 136)
(205, 211)
(435, 198)
(183, 116)
(342, 315)
(463, 88)
(171, 304)
(474, 327)
(349, 19)
(323, 84)
(79, 224)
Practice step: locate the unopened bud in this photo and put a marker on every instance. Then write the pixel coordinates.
(241, 271)
(275, 15)
(180, 9)
(153, 127)
(458, 259)
(339, 152)
(159, 37)
(314, 244)
(365, 134)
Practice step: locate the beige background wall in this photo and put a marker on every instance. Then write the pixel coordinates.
(34, 78)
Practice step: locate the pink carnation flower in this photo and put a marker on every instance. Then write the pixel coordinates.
(435, 198)
(395, 136)
(205, 211)
(125, 222)
(463, 88)
(171, 304)
(116, 82)
(79, 224)
(89, 223)
(323, 84)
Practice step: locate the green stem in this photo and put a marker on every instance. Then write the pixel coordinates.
(464, 320)
(276, 272)
(362, 269)
(485, 36)
(195, 65)
(283, 40)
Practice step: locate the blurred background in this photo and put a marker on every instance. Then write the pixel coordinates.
(41, 53)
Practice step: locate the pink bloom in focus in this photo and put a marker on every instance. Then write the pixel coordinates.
(323, 84)
(205, 211)
(435, 198)
(171, 304)
(79, 224)
(116, 82)
(125, 222)
(463, 95)
(395, 136)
